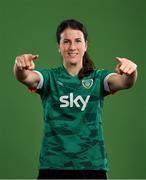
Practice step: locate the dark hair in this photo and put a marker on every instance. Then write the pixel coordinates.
(88, 64)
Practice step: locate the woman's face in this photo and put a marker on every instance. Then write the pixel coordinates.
(72, 46)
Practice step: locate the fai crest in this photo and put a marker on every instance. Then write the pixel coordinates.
(87, 83)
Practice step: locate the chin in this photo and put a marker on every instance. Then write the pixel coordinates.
(73, 61)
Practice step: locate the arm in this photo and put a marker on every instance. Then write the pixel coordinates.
(126, 75)
(23, 70)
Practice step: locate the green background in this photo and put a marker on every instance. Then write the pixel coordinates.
(116, 28)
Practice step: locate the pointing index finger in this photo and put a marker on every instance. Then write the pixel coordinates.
(119, 59)
(35, 56)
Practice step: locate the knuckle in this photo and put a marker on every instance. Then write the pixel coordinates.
(17, 58)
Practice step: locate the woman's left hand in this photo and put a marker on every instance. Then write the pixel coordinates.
(125, 66)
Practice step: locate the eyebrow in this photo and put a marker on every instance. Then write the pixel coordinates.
(75, 39)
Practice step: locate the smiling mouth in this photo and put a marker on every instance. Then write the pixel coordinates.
(72, 54)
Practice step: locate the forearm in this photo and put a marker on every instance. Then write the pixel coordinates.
(129, 80)
(117, 81)
(27, 77)
(20, 74)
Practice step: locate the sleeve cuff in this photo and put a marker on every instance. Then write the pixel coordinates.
(40, 84)
(106, 86)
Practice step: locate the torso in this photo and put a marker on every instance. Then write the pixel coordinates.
(73, 137)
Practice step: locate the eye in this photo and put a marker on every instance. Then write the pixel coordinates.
(78, 40)
(66, 41)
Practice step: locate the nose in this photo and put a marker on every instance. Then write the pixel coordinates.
(72, 46)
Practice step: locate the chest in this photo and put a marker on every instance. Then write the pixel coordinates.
(74, 93)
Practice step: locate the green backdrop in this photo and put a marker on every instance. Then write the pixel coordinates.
(116, 28)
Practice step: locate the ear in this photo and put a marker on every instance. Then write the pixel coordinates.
(86, 46)
(58, 48)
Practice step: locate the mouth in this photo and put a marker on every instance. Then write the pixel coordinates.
(72, 54)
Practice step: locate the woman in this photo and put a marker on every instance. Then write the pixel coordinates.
(72, 97)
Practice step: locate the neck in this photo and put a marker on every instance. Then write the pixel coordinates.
(73, 69)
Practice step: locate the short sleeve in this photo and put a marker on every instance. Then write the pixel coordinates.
(103, 75)
(43, 88)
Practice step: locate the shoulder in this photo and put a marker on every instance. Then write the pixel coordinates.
(48, 71)
(101, 73)
(55, 70)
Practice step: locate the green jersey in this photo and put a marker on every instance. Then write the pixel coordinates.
(73, 136)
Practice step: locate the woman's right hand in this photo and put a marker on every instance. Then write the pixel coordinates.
(25, 62)
(23, 70)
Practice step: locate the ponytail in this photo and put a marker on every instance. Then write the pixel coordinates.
(88, 66)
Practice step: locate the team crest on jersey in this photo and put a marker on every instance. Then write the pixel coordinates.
(87, 83)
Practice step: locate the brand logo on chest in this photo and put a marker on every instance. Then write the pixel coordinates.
(71, 101)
